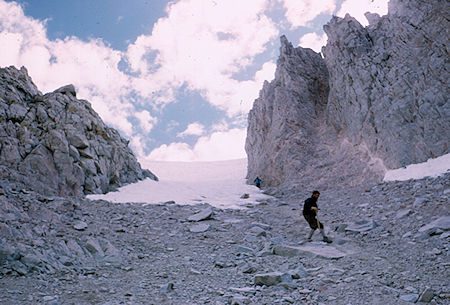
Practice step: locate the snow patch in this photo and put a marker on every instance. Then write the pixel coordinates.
(219, 183)
(431, 168)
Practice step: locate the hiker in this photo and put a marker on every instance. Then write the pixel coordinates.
(310, 210)
(258, 182)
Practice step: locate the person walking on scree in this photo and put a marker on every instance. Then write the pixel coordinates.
(310, 210)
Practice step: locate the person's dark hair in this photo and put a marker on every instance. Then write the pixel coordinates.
(316, 192)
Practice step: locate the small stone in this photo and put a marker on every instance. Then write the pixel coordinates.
(411, 297)
(426, 296)
(268, 279)
(80, 225)
(249, 269)
(199, 228)
(305, 291)
(258, 231)
(202, 215)
(167, 288)
(442, 223)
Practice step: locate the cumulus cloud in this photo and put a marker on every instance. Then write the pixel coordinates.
(201, 44)
(301, 12)
(92, 66)
(222, 145)
(357, 9)
(313, 41)
(146, 121)
(194, 129)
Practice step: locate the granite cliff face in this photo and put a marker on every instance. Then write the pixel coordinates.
(56, 143)
(378, 100)
(286, 115)
(389, 81)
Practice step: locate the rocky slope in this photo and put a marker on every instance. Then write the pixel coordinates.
(56, 144)
(391, 246)
(378, 100)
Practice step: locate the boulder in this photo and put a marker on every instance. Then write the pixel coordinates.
(202, 215)
(314, 250)
(361, 226)
(442, 223)
(268, 279)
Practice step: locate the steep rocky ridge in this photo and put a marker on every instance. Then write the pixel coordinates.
(56, 144)
(377, 100)
(389, 81)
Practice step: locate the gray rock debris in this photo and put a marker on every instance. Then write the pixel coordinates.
(56, 144)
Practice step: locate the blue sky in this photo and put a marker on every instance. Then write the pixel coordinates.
(176, 78)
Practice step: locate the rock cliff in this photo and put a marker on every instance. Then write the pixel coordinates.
(377, 100)
(56, 144)
(389, 81)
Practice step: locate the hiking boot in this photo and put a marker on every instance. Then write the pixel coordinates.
(327, 240)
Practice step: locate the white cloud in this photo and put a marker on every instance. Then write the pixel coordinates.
(146, 121)
(357, 9)
(91, 66)
(194, 129)
(222, 145)
(313, 41)
(301, 12)
(202, 44)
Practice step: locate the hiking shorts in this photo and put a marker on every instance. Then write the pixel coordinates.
(312, 221)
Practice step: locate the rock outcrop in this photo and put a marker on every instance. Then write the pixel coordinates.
(286, 115)
(389, 81)
(377, 100)
(56, 144)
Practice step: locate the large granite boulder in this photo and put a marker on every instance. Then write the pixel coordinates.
(57, 144)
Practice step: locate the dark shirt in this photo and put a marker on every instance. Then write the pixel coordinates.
(309, 203)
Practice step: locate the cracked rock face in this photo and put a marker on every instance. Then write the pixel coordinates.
(377, 100)
(57, 144)
(286, 114)
(389, 81)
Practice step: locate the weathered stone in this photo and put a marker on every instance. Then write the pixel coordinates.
(319, 250)
(202, 215)
(268, 279)
(258, 231)
(411, 297)
(80, 225)
(94, 247)
(442, 223)
(426, 295)
(361, 226)
(199, 228)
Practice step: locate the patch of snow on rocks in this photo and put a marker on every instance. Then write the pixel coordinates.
(431, 168)
(219, 183)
